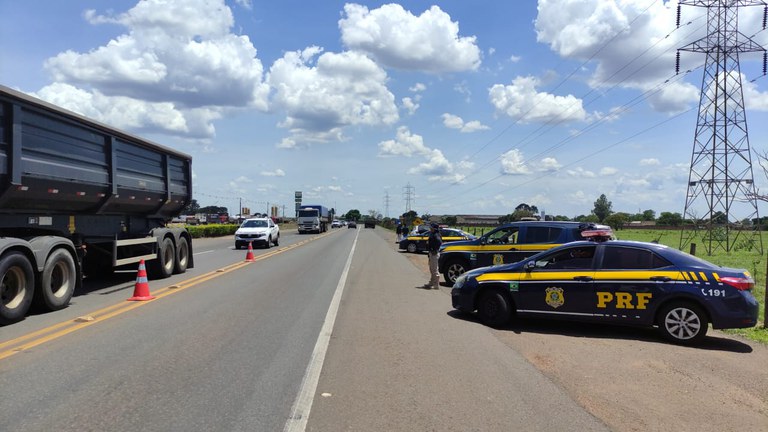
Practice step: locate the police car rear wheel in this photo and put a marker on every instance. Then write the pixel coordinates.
(683, 323)
(453, 270)
(493, 309)
(411, 247)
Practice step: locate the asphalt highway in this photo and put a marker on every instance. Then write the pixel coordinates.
(234, 346)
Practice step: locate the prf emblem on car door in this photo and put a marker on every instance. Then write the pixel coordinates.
(554, 297)
(498, 259)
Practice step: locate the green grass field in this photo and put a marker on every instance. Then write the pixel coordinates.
(750, 260)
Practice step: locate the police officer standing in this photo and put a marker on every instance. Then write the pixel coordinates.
(434, 241)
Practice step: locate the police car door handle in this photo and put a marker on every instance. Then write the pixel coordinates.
(583, 278)
(661, 278)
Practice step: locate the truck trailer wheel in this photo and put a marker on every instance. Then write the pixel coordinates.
(166, 257)
(182, 256)
(58, 281)
(17, 285)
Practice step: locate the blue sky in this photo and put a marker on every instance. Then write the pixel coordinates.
(478, 106)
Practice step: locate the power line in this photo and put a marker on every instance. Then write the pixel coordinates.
(557, 120)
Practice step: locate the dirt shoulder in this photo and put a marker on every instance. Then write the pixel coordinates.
(634, 381)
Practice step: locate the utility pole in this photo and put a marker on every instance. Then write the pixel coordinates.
(721, 190)
(386, 204)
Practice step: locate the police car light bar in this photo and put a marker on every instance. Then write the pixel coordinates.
(598, 234)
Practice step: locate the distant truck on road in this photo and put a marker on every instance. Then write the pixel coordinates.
(78, 197)
(313, 219)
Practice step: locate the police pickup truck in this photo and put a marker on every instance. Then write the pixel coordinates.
(509, 243)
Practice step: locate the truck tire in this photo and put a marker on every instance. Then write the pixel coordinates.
(17, 287)
(57, 282)
(182, 256)
(162, 266)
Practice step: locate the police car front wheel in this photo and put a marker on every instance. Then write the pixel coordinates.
(493, 309)
(683, 322)
(454, 269)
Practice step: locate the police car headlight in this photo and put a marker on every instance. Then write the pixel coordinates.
(460, 281)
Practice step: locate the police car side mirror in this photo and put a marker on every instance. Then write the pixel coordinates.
(483, 240)
(530, 265)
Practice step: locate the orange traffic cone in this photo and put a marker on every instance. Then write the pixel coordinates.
(141, 290)
(249, 256)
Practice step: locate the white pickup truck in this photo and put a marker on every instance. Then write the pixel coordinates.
(259, 231)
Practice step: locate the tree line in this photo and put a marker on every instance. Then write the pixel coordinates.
(602, 212)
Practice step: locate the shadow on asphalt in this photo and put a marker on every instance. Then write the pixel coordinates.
(119, 281)
(122, 280)
(713, 342)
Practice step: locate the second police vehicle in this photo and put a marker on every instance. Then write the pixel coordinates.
(417, 240)
(507, 244)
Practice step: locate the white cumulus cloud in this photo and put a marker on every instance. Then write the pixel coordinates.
(512, 163)
(455, 122)
(396, 38)
(321, 98)
(405, 144)
(276, 173)
(632, 43)
(436, 166)
(523, 102)
(182, 56)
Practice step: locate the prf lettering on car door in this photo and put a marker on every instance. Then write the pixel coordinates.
(623, 300)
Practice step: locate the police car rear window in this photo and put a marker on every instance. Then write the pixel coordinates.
(542, 234)
(617, 257)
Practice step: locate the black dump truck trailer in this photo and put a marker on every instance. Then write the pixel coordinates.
(78, 198)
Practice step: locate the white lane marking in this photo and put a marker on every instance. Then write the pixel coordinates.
(204, 252)
(297, 421)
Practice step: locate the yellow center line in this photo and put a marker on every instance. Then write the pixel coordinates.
(39, 337)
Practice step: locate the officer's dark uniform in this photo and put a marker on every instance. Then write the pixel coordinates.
(434, 241)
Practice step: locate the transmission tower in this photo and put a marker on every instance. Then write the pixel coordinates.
(721, 190)
(386, 204)
(409, 193)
